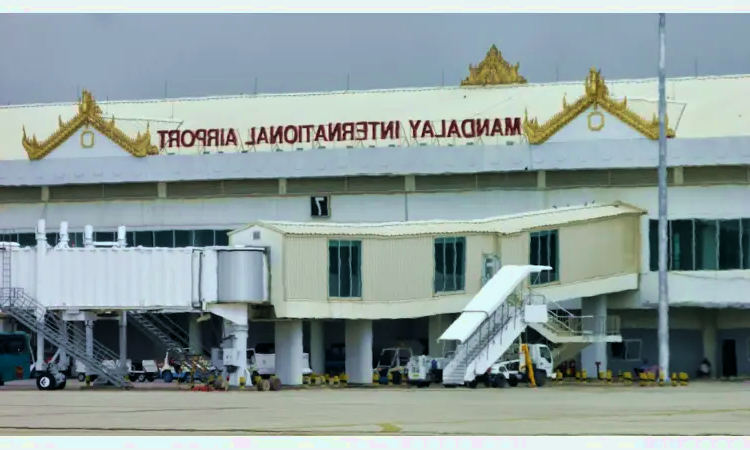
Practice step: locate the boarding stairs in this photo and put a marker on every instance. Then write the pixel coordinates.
(29, 312)
(165, 331)
(508, 309)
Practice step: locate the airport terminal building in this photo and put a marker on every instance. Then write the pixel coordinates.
(380, 214)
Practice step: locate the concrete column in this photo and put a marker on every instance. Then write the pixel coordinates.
(239, 351)
(358, 342)
(41, 252)
(709, 333)
(123, 341)
(288, 343)
(89, 324)
(317, 346)
(596, 352)
(63, 357)
(195, 336)
(435, 328)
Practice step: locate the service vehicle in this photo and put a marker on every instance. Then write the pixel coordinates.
(393, 361)
(424, 370)
(510, 371)
(264, 364)
(15, 354)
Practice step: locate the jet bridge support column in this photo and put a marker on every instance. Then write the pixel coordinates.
(358, 342)
(288, 343)
(41, 252)
(124, 342)
(597, 351)
(195, 337)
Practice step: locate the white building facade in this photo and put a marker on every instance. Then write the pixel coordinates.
(184, 173)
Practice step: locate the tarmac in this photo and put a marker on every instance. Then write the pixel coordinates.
(701, 408)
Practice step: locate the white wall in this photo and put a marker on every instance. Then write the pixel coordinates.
(685, 202)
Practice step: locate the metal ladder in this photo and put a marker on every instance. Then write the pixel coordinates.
(26, 310)
(165, 331)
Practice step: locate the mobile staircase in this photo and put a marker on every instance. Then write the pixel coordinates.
(165, 331)
(28, 311)
(491, 323)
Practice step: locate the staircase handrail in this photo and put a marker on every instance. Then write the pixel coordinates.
(55, 330)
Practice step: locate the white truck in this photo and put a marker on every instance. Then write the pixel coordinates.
(424, 370)
(511, 369)
(264, 364)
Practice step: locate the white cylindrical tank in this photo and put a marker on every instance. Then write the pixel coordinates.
(241, 275)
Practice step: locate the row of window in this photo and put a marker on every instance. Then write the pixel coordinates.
(345, 264)
(699, 244)
(160, 238)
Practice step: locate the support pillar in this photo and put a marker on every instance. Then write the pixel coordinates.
(596, 352)
(239, 351)
(124, 342)
(288, 343)
(4, 325)
(89, 324)
(63, 357)
(435, 328)
(709, 333)
(195, 335)
(41, 252)
(358, 342)
(317, 346)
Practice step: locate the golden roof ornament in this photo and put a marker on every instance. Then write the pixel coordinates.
(493, 70)
(89, 114)
(596, 95)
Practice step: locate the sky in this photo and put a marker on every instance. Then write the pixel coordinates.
(51, 57)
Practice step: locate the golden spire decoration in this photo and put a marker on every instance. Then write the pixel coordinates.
(89, 114)
(493, 70)
(596, 95)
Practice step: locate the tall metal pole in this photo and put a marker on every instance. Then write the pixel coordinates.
(663, 290)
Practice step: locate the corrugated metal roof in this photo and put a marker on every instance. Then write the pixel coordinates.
(502, 224)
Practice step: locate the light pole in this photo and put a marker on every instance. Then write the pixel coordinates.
(663, 237)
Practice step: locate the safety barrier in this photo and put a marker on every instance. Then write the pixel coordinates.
(644, 379)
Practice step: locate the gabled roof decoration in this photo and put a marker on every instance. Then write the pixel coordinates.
(596, 94)
(493, 70)
(89, 114)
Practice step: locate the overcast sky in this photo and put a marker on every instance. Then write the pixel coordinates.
(47, 58)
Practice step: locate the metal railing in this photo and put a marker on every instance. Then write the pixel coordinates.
(510, 309)
(26, 310)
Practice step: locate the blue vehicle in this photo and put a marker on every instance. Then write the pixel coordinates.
(15, 356)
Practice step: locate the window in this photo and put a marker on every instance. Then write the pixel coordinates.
(545, 353)
(730, 256)
(700, 244)
(627, 350)
(344, 269)
(745, 244)
(105, 236)
(203, 238)
(144, 238)
(681, 245)
(164, 238)
(706, 245)
(450, 267)
(183, 238)
(222, 237)
(12, 345)
(543, 252)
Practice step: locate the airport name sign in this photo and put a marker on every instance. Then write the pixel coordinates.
(342, 132)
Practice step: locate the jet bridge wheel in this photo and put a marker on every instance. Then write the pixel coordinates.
(81, 377)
